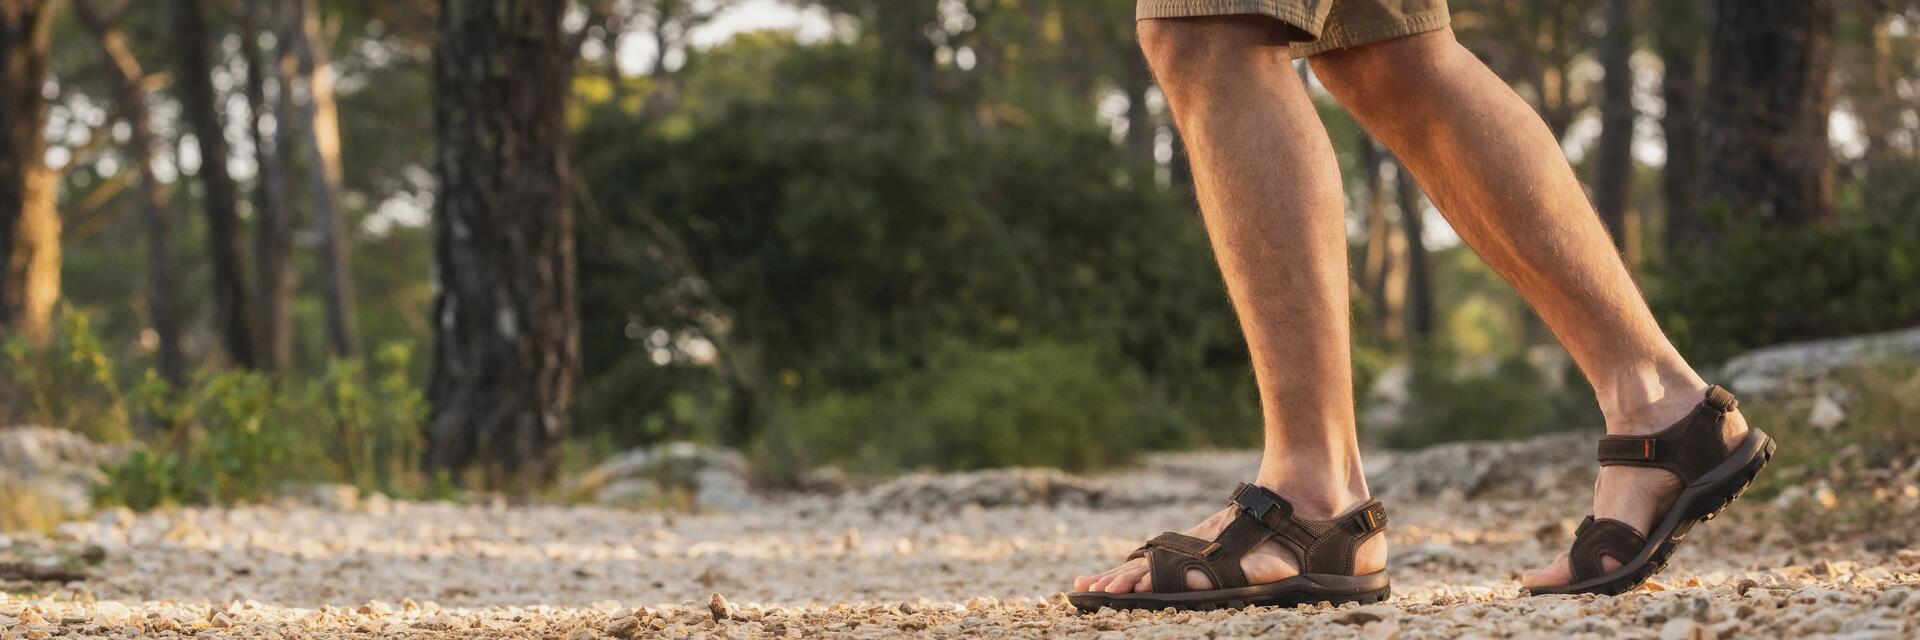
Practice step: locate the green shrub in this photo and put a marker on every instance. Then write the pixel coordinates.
(1761, 286)
(1882, 403)
(240, 436)
(1045, 404)
(71, 383)
(1512, 400)
(226, 436)
(23, 509)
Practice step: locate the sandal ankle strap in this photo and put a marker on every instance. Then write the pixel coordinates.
(1688, 448)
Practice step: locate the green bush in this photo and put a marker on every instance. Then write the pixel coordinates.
(240, 436)
(71, 383)
(1882, 403)
(809, 234)
(1760, 286)
(1047, 404)
(1512, 400)
(223, 437)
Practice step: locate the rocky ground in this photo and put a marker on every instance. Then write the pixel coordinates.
(983, 554)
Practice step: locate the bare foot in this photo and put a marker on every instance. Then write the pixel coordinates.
(1635, 495)
(1265, 564)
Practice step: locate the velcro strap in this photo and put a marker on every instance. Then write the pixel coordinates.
(1183, 544)
(1262, 504)
(1721, 399)
(1629, 449)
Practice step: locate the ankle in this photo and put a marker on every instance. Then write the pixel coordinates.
(1647, 399)
(1321, 495)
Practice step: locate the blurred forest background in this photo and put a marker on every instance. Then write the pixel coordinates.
(419, 245)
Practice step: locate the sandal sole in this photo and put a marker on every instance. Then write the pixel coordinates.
(1298, 590)
(1712, 497)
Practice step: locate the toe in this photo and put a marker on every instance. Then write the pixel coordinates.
(1558, 573)
(1083, 583)
(1126, 579)
(1100, 582)
(1145, 584)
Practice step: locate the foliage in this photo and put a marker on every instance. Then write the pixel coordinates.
(239, 436)
(70, 384)
(227, 436)
(26, 510)
(1045, 404)
(1881, 402)
(1449, 400)
(782, 250)
(1760, 286)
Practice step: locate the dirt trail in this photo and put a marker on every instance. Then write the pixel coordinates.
(925, 558)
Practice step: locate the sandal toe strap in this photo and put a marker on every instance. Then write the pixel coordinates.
(1598, 539)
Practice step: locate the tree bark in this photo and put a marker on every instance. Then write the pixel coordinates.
(128, 78)
(301, 33)
(1879, 106)
(613, 31)
(903, 25)
(1378, 256)
(1613, 154)
(1679, 47)
(506, 350)
(29, 223)
(233, 313)
(1765, 112)
(1413, 227)
(1141, 129)
(1180, 168)
(273, 223)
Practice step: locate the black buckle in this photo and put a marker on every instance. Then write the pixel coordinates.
(1257, 503)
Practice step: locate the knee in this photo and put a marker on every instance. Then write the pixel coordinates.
(1174, 45)
(1382, 67)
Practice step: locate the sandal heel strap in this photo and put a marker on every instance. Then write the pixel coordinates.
(1688, 448)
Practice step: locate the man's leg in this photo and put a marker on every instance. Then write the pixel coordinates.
(1500, 178)
(1269, 189)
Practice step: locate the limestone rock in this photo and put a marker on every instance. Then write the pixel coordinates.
(1788, 369)
(714, 478)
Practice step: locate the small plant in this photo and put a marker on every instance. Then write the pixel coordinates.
(1875, 441)
(26, 510)
(72, 383)
(1045, 404)
(1448, 403)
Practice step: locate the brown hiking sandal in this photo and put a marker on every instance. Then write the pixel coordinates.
(1711, 477)
(1324, 549)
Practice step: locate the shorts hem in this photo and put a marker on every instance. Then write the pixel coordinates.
(1291, 15)
(1344, 39)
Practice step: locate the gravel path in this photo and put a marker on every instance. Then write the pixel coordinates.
(924, 557)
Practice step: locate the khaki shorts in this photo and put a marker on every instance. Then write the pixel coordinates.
(1317, 25)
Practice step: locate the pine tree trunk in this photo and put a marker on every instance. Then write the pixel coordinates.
(1419, 308)
(1880, 106)
(1613, 155)
(1141, 130)
(233, 311)
(1679, 32)
(301, 33)
(910, 54)
(1769, 93)
(506, 349)
(1378, 255)
(1180, 168)
(126, 75)
(29, 224)
(273, 217)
